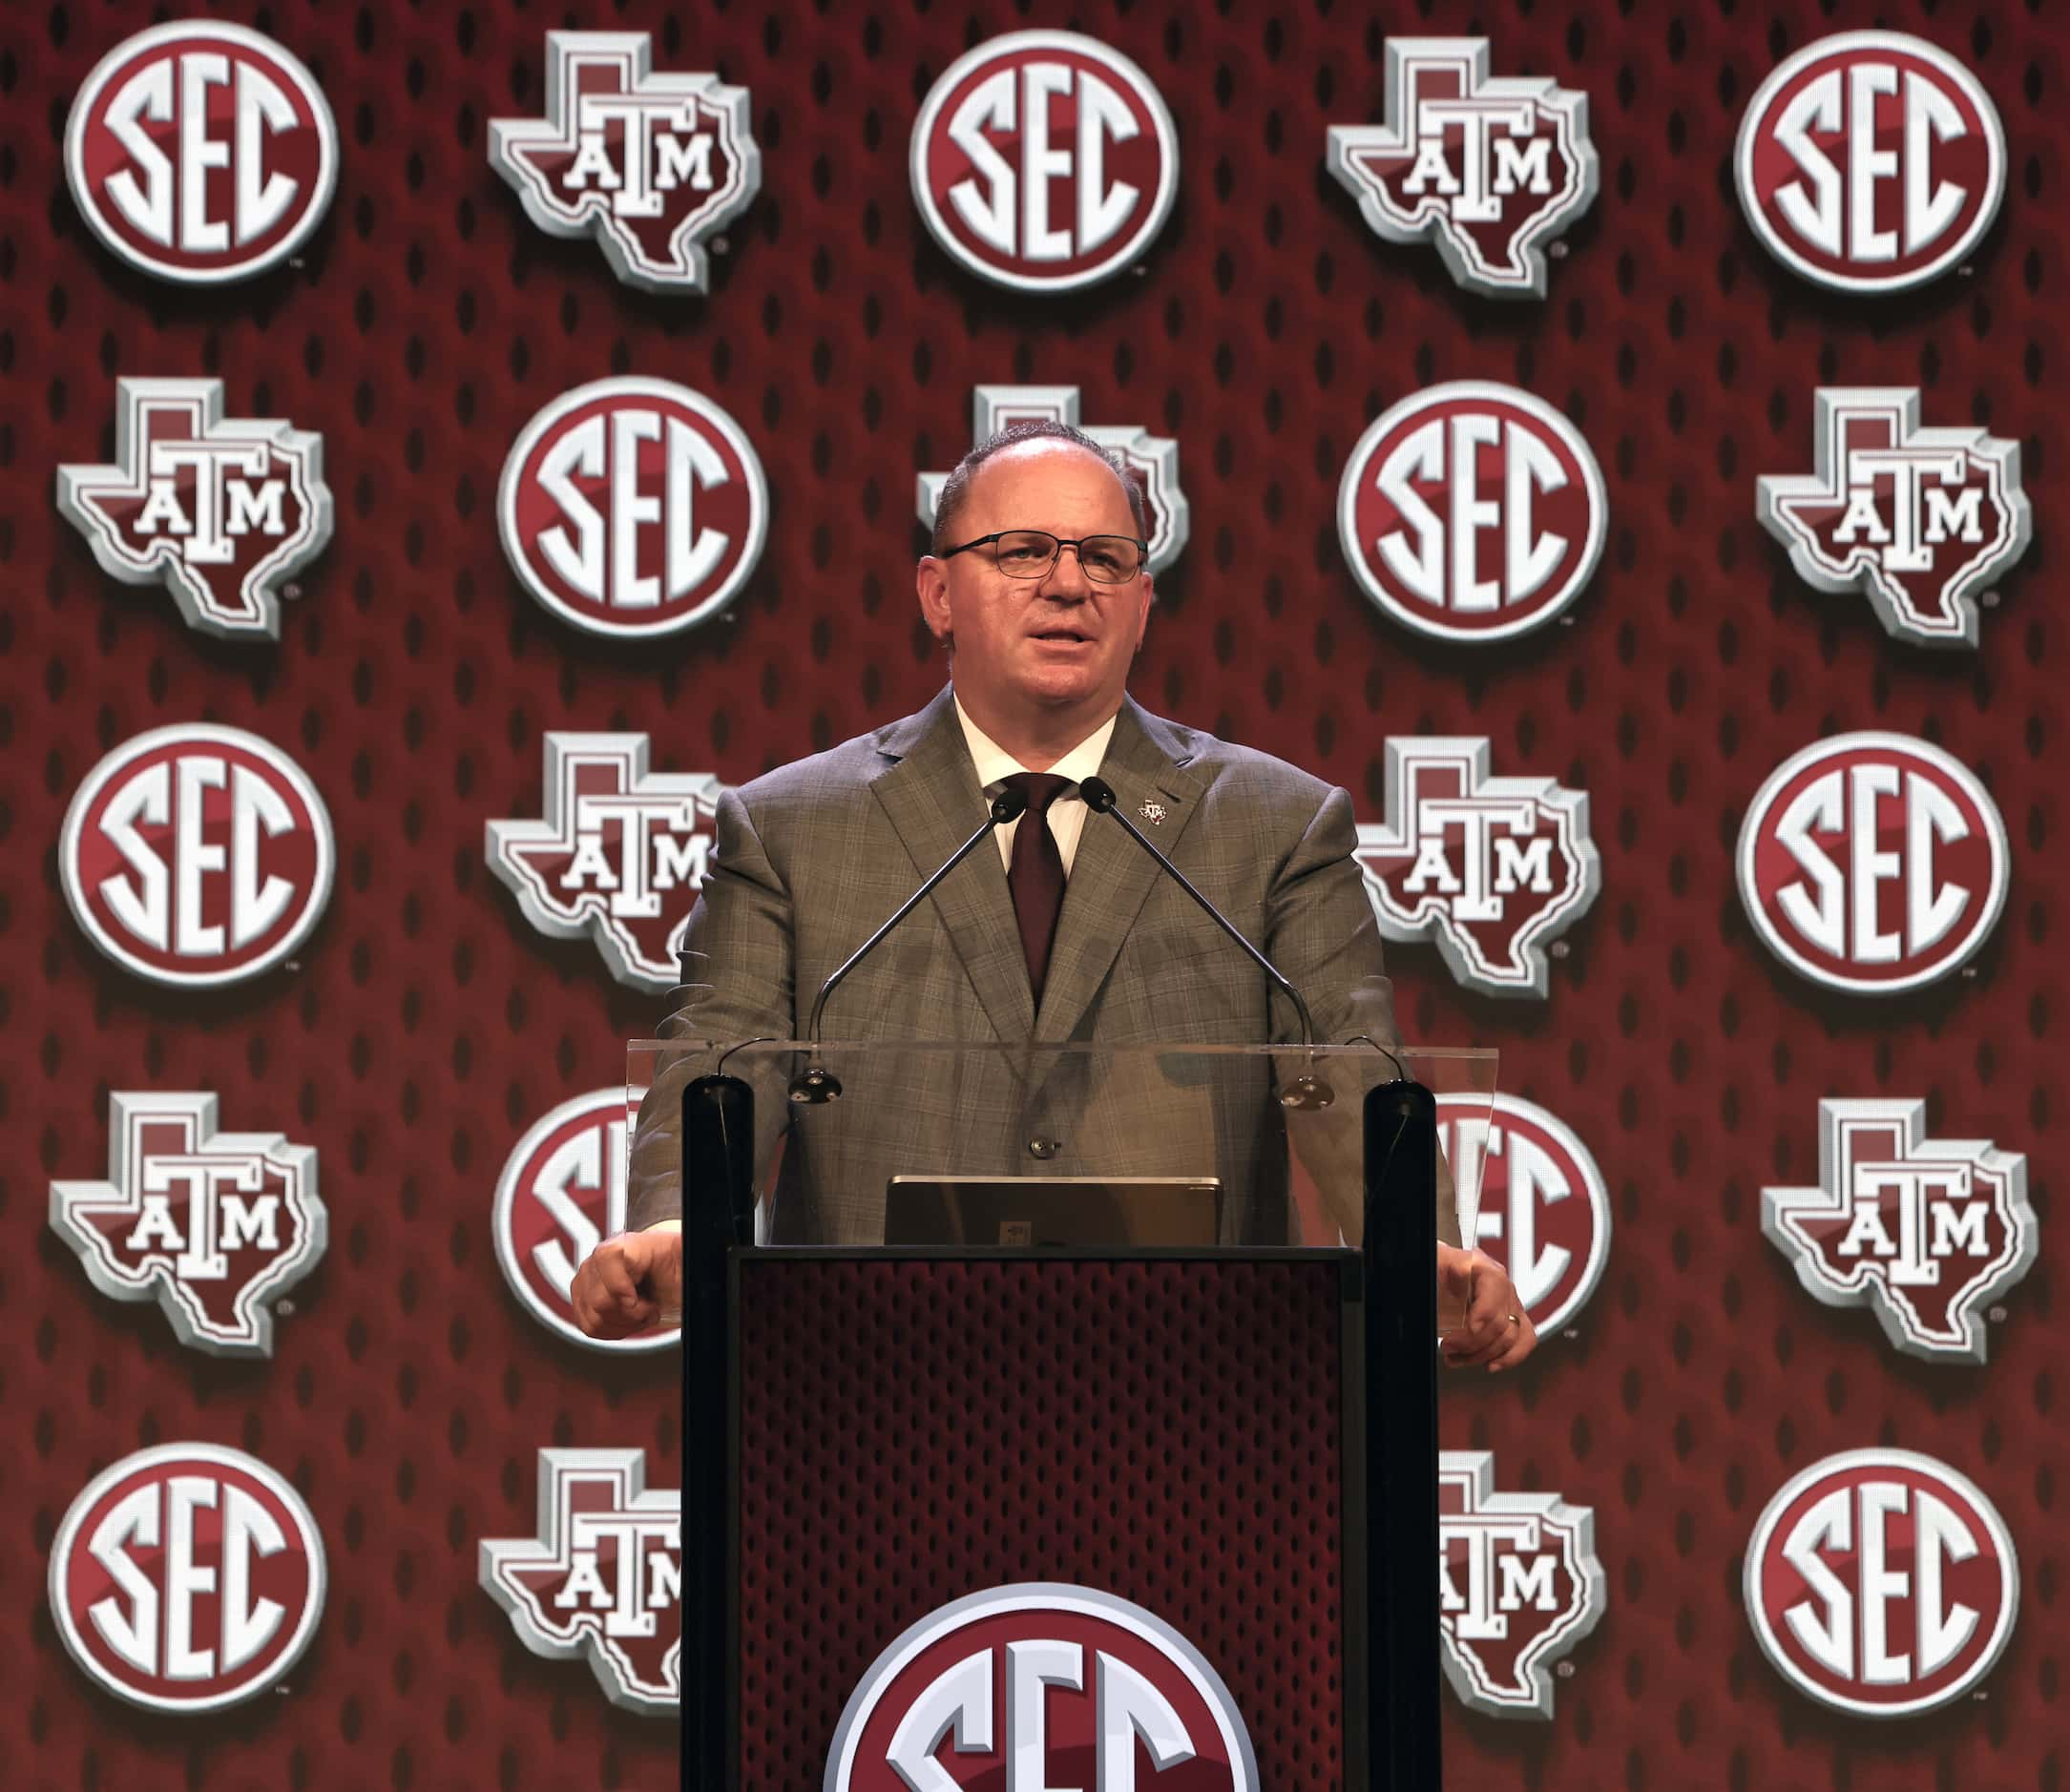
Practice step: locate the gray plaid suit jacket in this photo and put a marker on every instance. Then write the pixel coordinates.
(811, 858)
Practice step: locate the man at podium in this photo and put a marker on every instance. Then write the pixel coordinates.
(1068, 931)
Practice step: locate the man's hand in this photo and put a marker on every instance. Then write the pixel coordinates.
(1498, 1332)
(627, 1280)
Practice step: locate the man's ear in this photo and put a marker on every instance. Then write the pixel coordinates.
(930, 583)
(1142, 622)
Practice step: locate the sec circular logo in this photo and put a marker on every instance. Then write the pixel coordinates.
(633, 507)
(187, 1578)
(561, 1193)
(196, 856)
(201, 151)
(1870, 161)
(1473, 512)
(1044, 161)
(1068, 1683)
(1874, 863)
(1544, 1210)
(1882, 1583)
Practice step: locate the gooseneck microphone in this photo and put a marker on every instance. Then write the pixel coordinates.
(1305, 1092)
(816, 1083)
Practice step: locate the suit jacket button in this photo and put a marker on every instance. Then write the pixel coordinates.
(1039, 1147)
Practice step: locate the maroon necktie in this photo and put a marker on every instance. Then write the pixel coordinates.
(1036, 874)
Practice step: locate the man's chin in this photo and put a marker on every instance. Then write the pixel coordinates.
(1060, 693)
(1062, 680)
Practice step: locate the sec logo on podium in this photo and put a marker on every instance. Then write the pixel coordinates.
(1038, 1685)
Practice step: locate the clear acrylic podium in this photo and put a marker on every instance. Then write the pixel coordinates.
(1155, 1320)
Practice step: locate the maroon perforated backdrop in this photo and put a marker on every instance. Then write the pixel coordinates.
(426, 1025)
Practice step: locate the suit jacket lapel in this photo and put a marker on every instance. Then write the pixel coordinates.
(929, 791)
(1112, 876)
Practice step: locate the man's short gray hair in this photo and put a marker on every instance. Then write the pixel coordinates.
(956, 487)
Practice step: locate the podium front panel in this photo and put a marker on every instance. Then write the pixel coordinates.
(912, 1429)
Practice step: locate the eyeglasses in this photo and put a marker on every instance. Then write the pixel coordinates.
(1030, 553)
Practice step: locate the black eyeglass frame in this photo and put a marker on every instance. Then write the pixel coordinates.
(1062, 542)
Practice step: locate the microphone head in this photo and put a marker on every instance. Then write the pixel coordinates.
(1008, 806)
(1097, 794)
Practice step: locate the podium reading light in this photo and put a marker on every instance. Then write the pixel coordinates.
(1307, 1092)
(816, 1083)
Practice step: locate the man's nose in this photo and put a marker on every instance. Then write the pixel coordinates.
(1066, 578)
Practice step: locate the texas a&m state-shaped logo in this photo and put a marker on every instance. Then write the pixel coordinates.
(1870, 161)
(1472, 511)
(633, 508)
(651, 165)
(1151, 459)
(196, 856)
(604, 1578)
(1544, 1211)
(1490, 169)
(1874, 863)
(1919, 521)
(1044, 161)
(1882, 1583)
(217, 1226)
(1926, 1233)
(1038, 1685)
(201, 151)
(619, 853)
(223, 510)
(187, 1578)
(1493, 868)
(1519, 1585)
(562, 1192)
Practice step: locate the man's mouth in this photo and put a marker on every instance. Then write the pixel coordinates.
(1062, 631)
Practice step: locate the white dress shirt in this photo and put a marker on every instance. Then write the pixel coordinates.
(1067, 814)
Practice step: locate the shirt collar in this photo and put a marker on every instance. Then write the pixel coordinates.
(995, 764)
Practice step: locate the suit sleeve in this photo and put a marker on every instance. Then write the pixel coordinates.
(742, 928)
(1321, 932)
